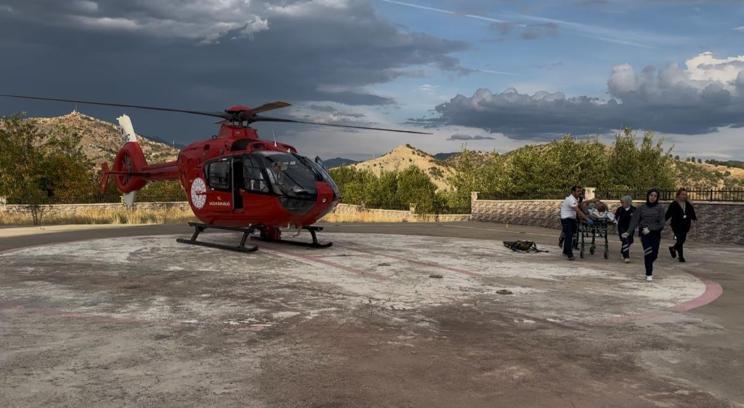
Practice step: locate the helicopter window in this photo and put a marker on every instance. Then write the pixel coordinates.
(321, 172)
(290, 176)
(218, 174)
(253, 175)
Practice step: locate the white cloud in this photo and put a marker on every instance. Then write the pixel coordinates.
(428, 88)
(106, 23)
(704, 95)
(309, 7)
(706, 67)
(205, 21)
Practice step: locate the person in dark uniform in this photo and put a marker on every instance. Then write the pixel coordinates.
(649, 219)
(623, 215)
(682, 214)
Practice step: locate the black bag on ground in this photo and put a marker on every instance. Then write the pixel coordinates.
(522, 246)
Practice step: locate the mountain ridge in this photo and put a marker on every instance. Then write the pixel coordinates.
(404, 156)
(101, 140)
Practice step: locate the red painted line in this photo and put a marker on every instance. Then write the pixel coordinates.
(712, 292)
(413, 261)
(311, 259)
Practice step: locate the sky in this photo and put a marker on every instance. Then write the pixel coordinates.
(478, 74)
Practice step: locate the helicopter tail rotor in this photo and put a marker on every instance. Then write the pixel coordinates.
(130, 170)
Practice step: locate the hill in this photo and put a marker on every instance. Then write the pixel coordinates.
(405, 156)
(727, 163)
(707, 175)
(338, 162)
(101, 140)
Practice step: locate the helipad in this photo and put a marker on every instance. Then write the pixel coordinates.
(376, 320)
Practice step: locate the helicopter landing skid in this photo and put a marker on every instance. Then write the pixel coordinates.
(199, 228)
(313, 232)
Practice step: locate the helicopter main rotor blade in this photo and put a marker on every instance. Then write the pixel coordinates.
(304, 122)
(120, 105)
(270, 106)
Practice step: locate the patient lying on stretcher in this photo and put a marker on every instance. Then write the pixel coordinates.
(596, 210)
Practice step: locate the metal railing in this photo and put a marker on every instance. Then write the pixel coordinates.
(711, 194)
(524, 195)
(723, 195)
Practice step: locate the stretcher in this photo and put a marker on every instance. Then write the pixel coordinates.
(589, 234)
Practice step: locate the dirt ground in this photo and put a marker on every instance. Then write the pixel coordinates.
(396, 315)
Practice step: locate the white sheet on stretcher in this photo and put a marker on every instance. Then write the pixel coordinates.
(597, 215)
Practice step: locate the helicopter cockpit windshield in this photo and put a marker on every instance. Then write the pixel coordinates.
(288, 175)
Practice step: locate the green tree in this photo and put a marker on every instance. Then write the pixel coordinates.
(36, 169)
(474, 171)
(69, 170)
(382, 192)
(557, 166)
(415, 187)
(354, 184)
(636, 167)
(162, 191)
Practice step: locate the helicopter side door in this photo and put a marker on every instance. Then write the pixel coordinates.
(237, 183)
(220, 182)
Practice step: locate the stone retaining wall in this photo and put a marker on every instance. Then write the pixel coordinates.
(718, 222)
(72, 210)
(342, 213)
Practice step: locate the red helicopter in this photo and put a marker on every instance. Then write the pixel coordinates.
(234, 180)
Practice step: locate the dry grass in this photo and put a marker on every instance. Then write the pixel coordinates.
(367, 217)
(93, 215)
(354, 213)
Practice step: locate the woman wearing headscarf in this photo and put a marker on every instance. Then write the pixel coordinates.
(623, 215)
(649, 219)
(682, 214)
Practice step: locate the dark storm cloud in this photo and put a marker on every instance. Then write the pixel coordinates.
(206, 54)
(332, 114)
(692, 101)
(469, 137)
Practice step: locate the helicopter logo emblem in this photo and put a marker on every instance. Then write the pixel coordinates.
(198, 193)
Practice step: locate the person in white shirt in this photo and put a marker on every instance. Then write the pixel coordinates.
(570, 212)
